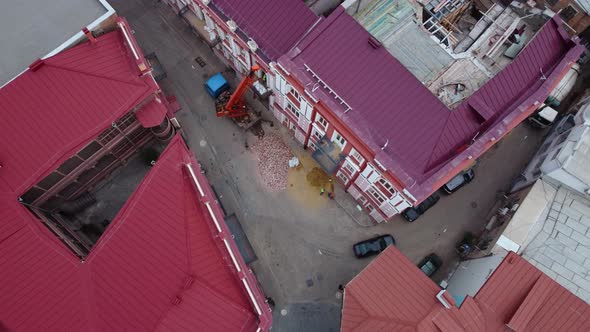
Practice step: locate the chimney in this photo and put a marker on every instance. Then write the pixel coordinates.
(89, 35)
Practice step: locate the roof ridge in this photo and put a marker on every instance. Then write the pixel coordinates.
(428, 166)
(348, 294)
(12, 234)
(316, 32)
(93, 75)
(214, 290)
(103, 240)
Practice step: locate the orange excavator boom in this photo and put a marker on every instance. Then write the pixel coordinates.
(235, 106)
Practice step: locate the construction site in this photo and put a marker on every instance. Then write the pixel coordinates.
(216, 164)
(453, 47)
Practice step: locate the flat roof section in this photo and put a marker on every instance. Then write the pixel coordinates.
(31, 29)
(393, 24)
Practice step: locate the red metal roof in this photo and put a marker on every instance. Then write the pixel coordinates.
(167, 262)
(526, 299)
(159, 266)
(83, 89)
(382, 102)
(153, 112)
(392, 294)
(275, 25)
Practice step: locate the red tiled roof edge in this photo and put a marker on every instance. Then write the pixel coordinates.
(246, 276)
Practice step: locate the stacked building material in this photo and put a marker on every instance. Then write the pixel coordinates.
(273, 161)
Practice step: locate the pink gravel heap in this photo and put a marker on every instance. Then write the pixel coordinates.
(273, 161)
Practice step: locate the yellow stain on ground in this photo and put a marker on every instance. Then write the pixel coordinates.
(306, 181)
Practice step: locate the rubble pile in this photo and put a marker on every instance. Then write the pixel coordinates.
(273, 161)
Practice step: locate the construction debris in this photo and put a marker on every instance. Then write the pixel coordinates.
(273, 161)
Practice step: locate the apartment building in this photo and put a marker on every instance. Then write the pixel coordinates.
(162, 259)
(244, 33)
(385, 136)
(392, 134)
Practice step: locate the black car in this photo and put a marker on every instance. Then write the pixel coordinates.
(413, 213)
(430, 264)
(458, 181)
(373, 246)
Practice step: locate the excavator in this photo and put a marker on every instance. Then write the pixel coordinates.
(232, 105)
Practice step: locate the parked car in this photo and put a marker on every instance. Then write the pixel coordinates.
(412, 213)
(430, 264)
(459, 181)
(373, 246)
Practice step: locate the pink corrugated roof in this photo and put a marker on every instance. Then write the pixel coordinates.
(387, 104)
(159, 266)
(275, 25)
(393, 294)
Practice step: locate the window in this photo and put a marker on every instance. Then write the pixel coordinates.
(349, 168)
(371, 174)
(356, 156)
(387, 186)
(322, 122)
(362, 199)
(295, 94)
(377, 195)
(317, 134)
(339, 140)
(568, 13)
(342, 177)
(293, 110)
(280, 83)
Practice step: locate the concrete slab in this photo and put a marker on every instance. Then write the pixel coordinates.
(31, 29)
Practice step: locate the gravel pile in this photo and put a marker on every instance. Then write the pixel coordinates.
(273, 161)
